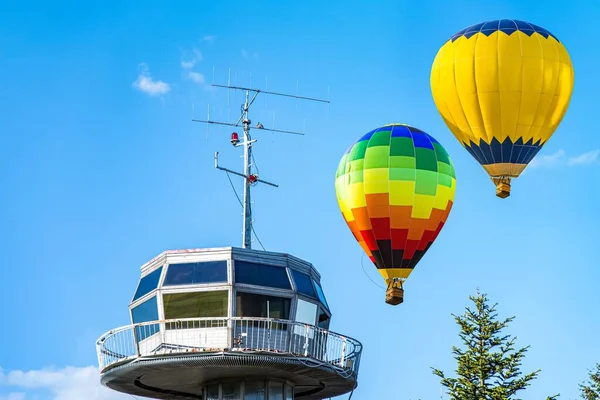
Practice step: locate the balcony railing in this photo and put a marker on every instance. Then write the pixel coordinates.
(242, 334)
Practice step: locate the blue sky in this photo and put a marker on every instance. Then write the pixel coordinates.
(102, 170)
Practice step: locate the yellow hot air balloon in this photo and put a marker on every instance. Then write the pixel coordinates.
(502, 88)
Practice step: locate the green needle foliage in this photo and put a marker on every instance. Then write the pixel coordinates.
(488, 367)
(590, 390)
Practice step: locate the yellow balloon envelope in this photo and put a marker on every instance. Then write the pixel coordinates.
(502, 88)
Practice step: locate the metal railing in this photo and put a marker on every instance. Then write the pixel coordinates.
(308, 343)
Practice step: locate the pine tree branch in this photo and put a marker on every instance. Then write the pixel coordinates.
(590, 389)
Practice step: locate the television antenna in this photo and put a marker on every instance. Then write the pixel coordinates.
(250, 178)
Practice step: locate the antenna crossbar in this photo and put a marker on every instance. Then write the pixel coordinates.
(273, 93)
(237, 125)
(217, 166)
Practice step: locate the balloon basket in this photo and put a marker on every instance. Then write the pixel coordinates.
(394, 295)
(503, 190)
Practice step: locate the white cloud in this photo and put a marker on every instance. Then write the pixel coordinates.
(197, 77)
(188, 64)
(209, 39)
(145, 83)
(69, 383)
(590, 157)
(246, 54)
(560, 159)
(193, 60)
(548, 161)
(14, 396)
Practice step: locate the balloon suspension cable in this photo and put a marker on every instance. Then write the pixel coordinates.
(395, 292)
(394, 283)
(502, 186)
(362, 259)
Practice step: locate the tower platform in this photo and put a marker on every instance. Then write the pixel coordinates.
(229, 323)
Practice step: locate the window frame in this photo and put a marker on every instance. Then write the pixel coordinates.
(203, 290)
(227, 280)
(251, 285)
(311, 279)
(158, 285)
(324, 303)
(290, 296)
(131, 311)
(326, 312)
(158, 311)
(316, 303)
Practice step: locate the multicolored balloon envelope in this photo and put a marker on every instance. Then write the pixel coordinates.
(502, 88)
(395, 187)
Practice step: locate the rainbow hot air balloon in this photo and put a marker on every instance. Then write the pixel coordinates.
(502, 88)
(395, 187)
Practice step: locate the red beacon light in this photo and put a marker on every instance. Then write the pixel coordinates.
(234, 138)
(253, 178)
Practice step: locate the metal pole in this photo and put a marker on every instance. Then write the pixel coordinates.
(247, 232)
(269, 319)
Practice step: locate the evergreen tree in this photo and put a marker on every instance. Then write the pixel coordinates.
(488, 368)
(590, 390)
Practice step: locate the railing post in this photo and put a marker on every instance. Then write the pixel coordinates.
(136, 341)
(342, 359)
(269, 336)
(306, 342)
(163, 332)
(290, 332)
(100, 356)
(230, 332)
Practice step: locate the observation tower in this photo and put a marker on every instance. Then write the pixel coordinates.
(230, 323)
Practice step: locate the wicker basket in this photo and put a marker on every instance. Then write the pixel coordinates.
(503, 190)
(394, 296)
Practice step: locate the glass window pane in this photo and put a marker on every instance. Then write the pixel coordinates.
(275, 391)
(231, 391)
(195, 273)
(212, 392)
(321, 294)
(255, 305)
(303, 284)
(261, 275)
(255, 390)
(179, 274)
(289, 393)
(145, 312)
(306, 312)
(196, 305)
(323, 321)
(147, 284)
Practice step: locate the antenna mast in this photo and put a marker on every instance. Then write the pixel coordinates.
(250, 179)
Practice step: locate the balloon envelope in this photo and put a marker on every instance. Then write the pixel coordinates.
(395, 187)
(502, 87)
